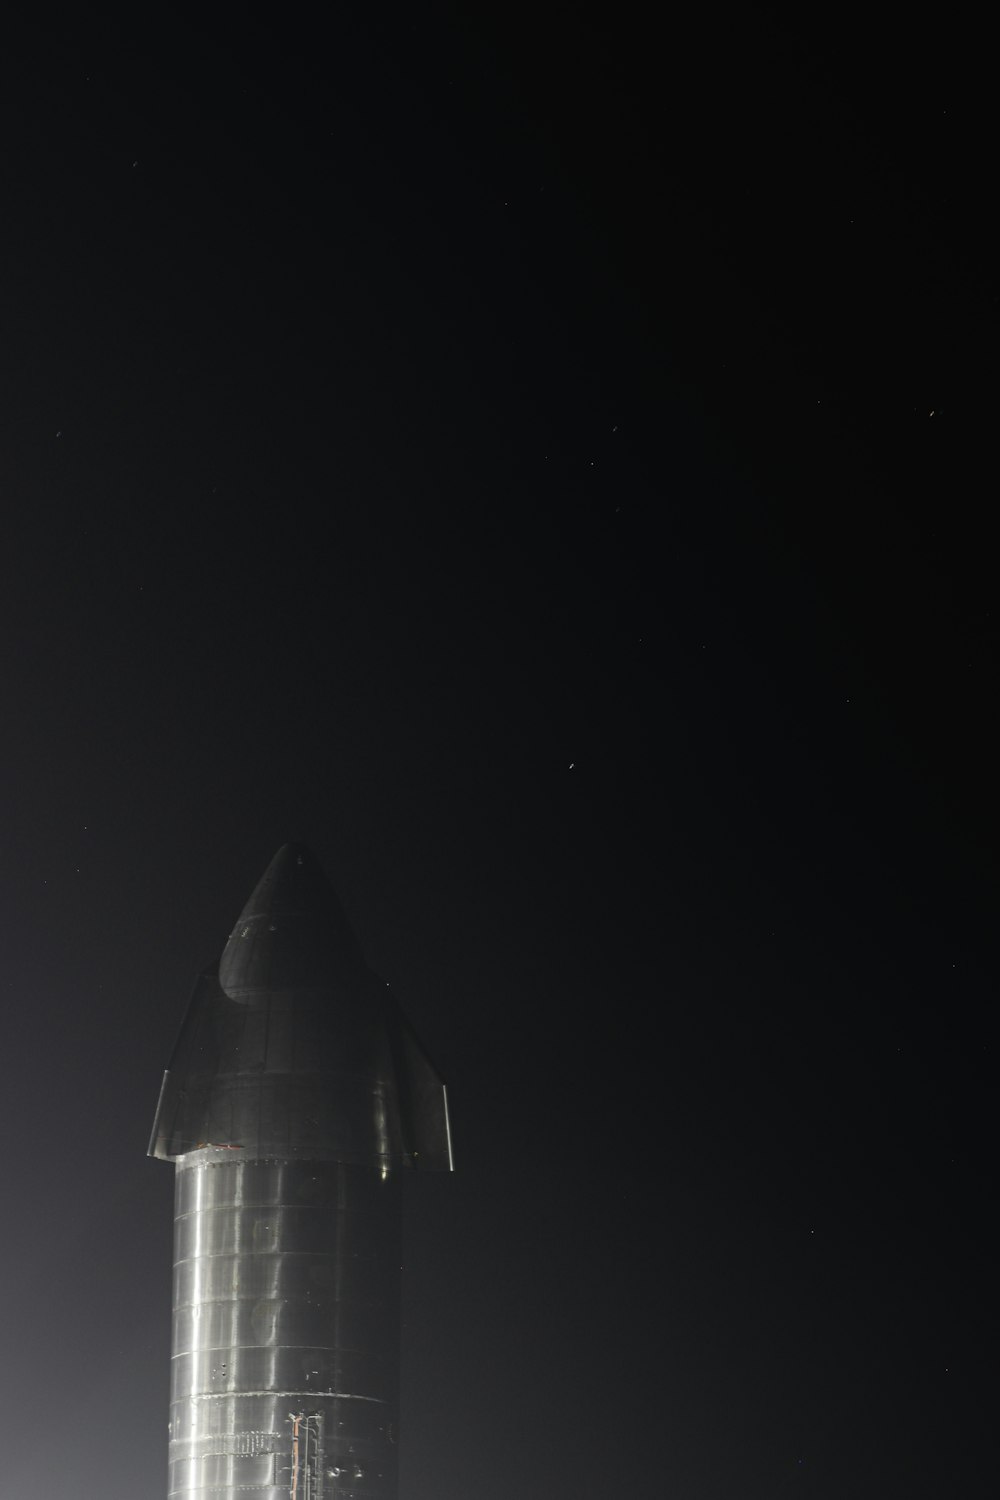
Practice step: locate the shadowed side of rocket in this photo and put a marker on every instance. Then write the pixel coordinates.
(295, 1094)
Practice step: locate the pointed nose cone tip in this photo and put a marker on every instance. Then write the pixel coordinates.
(292, 932)
(293, 881)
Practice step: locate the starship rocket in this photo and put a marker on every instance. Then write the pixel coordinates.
(296, 1095)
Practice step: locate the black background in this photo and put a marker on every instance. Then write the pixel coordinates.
(544, 461)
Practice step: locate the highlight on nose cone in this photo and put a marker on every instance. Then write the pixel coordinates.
(293, 932)
(292, 1047)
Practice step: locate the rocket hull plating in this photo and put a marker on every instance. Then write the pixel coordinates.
(295, 1094)
(286, 1312)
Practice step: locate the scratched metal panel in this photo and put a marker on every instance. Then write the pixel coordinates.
(248, 1422)
(206, 1371)
(180, 1485)
(229, 1470)
(280, 1228)
(225, 1179)
(228, 1278)
(353, 1320)
(350, 1468)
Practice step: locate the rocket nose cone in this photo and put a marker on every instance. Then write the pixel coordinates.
(292, 932)
(293, 881)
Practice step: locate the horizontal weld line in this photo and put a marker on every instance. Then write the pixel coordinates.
(329, 1210)
(259, 1255)
(258, 1295)
(310, 1395)
(216, 1351)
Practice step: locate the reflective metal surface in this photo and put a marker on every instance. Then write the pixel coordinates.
(295, 1093)
(292, 1047)
(286, 1329)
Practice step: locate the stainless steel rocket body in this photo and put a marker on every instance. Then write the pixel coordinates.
(286, 1325)
(295, 1096)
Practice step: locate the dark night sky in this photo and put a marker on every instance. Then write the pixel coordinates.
(543, 462)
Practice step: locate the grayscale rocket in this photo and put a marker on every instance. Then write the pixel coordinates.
(295, 1095)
